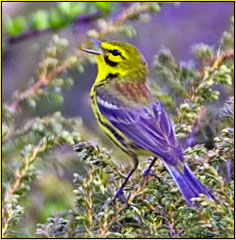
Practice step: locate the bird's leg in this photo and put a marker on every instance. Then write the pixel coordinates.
(120, 192)
(148, 171)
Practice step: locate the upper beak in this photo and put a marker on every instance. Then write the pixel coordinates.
(93, 51)
(95, 41)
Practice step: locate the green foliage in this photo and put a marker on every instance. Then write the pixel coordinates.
(32, 146)
(193, 87)
(54, 228)
(38, 137)
(61, 16)
(227, 40)
(16, 26)
(227, 112)
(157, 209)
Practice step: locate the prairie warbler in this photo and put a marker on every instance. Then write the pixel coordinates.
(134, 119)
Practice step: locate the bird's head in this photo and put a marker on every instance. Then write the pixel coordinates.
(119, 58)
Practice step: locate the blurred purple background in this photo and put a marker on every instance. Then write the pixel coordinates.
(176, 28)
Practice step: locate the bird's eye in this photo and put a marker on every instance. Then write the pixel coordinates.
(115, 52)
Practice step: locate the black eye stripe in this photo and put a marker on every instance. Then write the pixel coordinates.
(115, 52)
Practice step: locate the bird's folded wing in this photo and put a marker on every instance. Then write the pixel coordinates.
(148, 127)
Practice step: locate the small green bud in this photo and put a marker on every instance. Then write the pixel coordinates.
(57, 82)
(184, 107)
(227, 40)
(154, 7)
(76, 137)
(69, 82)
(59, 41)
(67, 137)
(5, 129)
(73, 60)
(93, 33)
(128, 31)
(38, 126)
(80, 68)
(145, 17)
(203, 51)
(215, 95)
(56, 97)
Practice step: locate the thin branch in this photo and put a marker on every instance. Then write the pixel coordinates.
(26, 35)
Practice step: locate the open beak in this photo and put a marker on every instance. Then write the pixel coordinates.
(98, 43)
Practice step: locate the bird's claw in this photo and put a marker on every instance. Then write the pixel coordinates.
(120, 194)
(148, 172)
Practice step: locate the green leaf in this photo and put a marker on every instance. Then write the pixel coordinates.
(64, 8)
(71, 9)
(55, 20)
(40, 20)
(15, 26)
(77, 9)
(106, 7)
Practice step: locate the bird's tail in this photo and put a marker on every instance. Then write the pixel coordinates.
(188, 184)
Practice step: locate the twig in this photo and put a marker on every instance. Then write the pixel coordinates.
(26, 35)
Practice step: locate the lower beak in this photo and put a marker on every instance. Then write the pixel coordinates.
(91, 51)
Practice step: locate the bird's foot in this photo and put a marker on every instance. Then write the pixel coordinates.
(120, 194)
(148, 172)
